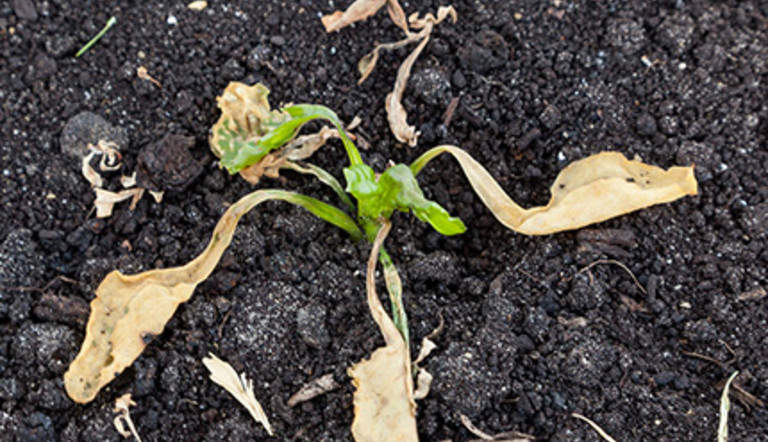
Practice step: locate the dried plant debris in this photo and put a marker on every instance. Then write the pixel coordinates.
(587, 191)
(396, 114)
(725, 407)
(594, 426)
(123, 418)
(313, 389)
(361, 10)
(238, 386)
(198, 5)
(508, 436)
(384, 406)
(129, 311)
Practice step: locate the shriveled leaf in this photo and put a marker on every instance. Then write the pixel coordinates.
(313, 389)
(245, 118)
(588, 191)
(301, 148)
(123, 418)
(130, 310)
(384, 405)
(396, 114)
(366, 64)
(240, 387)
(357, 11)
(106, 200)
(90, 173)
(725, 407)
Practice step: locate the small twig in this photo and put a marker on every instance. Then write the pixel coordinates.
(703, 357)
(38, 289)
(597, 428)
(452, 106)
(111, 22)
(620, 264)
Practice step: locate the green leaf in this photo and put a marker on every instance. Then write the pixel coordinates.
(281, 132)
(395, 189)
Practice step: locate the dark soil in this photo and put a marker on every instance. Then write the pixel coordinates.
(540, 84)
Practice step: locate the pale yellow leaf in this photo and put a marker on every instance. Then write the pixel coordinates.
(725, 407)
(384, 405)
(588, 191)
(240, 387)
(130, 310)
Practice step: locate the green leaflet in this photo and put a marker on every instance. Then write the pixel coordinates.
(395, 189)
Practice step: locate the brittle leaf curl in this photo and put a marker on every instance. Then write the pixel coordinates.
(587, 191)
(130, 310)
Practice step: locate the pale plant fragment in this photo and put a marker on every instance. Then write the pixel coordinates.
(198, 5)
(396, 114)
(240, 387)
(725, 407)
(106, 200)
(423, 377)
(130, 310)
(587, 191)
(90, 173)
(509, 436)
(123, 418)
(143, 74)
(384, 405)
(361, 10)
(313, 389)
(595, 427)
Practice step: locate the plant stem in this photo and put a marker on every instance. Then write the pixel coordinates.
(111, 22)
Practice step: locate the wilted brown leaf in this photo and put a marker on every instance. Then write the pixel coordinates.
(587, 191)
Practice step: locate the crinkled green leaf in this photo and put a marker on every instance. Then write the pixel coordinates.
(395, 189)
(250, 152)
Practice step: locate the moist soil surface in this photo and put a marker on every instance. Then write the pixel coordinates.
(535, 328)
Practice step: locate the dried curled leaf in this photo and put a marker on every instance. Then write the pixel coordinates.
(245, 117)
(106, 200)
(587, 191)
(384, 405)
(361, 10)
(130, 310)
(299, 149)
(240, 387)
(396, 114)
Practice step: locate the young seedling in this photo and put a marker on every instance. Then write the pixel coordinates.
(111, 22)
(129, 310)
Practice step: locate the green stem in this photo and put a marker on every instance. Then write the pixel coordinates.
(111, 22)
(395, 290)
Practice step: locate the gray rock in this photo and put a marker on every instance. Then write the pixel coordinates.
(310, 322)
(646, 125)
(88, 128)
(25, 10)
(44, 67)
(431, 86)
